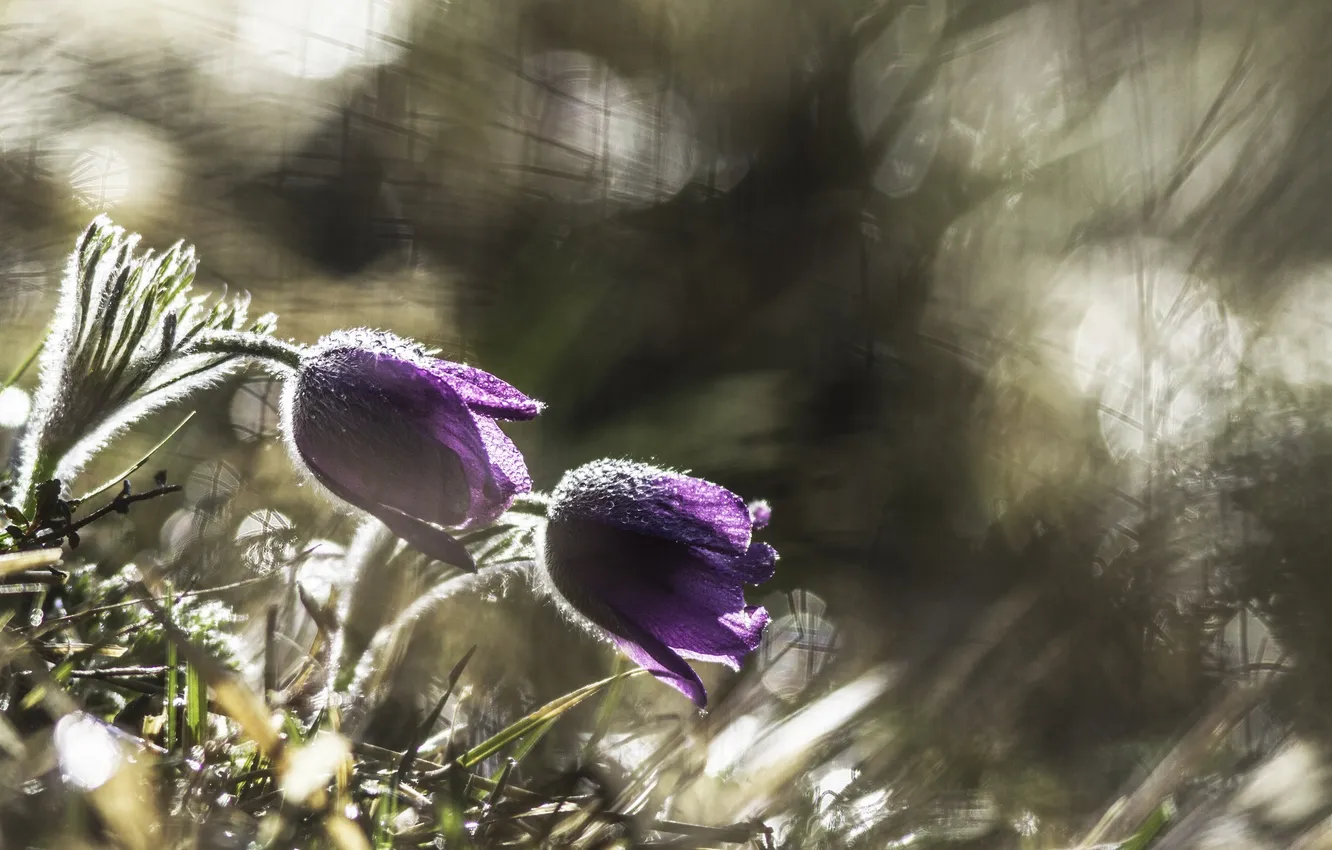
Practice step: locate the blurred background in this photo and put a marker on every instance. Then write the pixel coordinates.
(1016, 311)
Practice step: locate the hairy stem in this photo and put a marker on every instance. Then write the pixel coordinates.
(251, 345)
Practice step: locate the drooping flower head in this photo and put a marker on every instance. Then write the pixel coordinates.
(407, 437)
(659, 560)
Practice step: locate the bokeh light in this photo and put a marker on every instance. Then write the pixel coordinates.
(797, 644)
(100, 178)
(255, 409)
(320, 38)
(212, 482)
(1153, 343)
(88, 750)
(266, 539)
(588, 135)
(15, 405)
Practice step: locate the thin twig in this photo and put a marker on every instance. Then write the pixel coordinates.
(119, 504)
(56, 622)
(21, 561)
(47, 576)
(139, 672)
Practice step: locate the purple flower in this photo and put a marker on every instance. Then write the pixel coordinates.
(659, 560)
(407, 437)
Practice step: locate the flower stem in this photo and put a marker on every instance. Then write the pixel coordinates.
(245, 344)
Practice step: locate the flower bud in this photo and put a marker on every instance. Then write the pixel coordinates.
(659, 560)
(409, 438)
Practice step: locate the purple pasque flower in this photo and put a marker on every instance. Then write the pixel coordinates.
(407, 437)
(659, 560)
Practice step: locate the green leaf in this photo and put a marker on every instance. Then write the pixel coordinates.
(451, 811)
(534, 504)
(382, 813)
(502, 783)
(60, 672)
(34, 696)
(607, 708)
(529, 741)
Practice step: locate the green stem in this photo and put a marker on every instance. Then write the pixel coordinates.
(43, 470)
(245, 344)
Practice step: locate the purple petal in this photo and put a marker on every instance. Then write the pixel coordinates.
(754, 567)
(702, 614)
(747, 625)
(366, 471)
(660, 560)
(760, 513)
(508, 471)
(656, 502)
(674, 593)
(390, 431)
(425, 538)
(658, 659)
(487, 394)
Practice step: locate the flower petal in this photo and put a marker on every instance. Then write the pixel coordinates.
(372, 425)
(656, 502)
(666, 590)
(658, 659)
(760, 513)
(754, 567)
(747, 625)
(425, 538)
(507, 475)
(390, 430)
(486, 393)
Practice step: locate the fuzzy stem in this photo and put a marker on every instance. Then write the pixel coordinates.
(251, 345)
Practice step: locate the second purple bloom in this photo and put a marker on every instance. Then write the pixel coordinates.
(406, 437)
(660, 560)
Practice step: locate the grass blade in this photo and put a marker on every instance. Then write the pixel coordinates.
(233, 698)
(409, 755)
(609, 702)
(172, 676)
(196, 706)
(97, 491)
(537, 719)
(494, 797)
(1150, 828)
(530, 740)
(23, 367)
